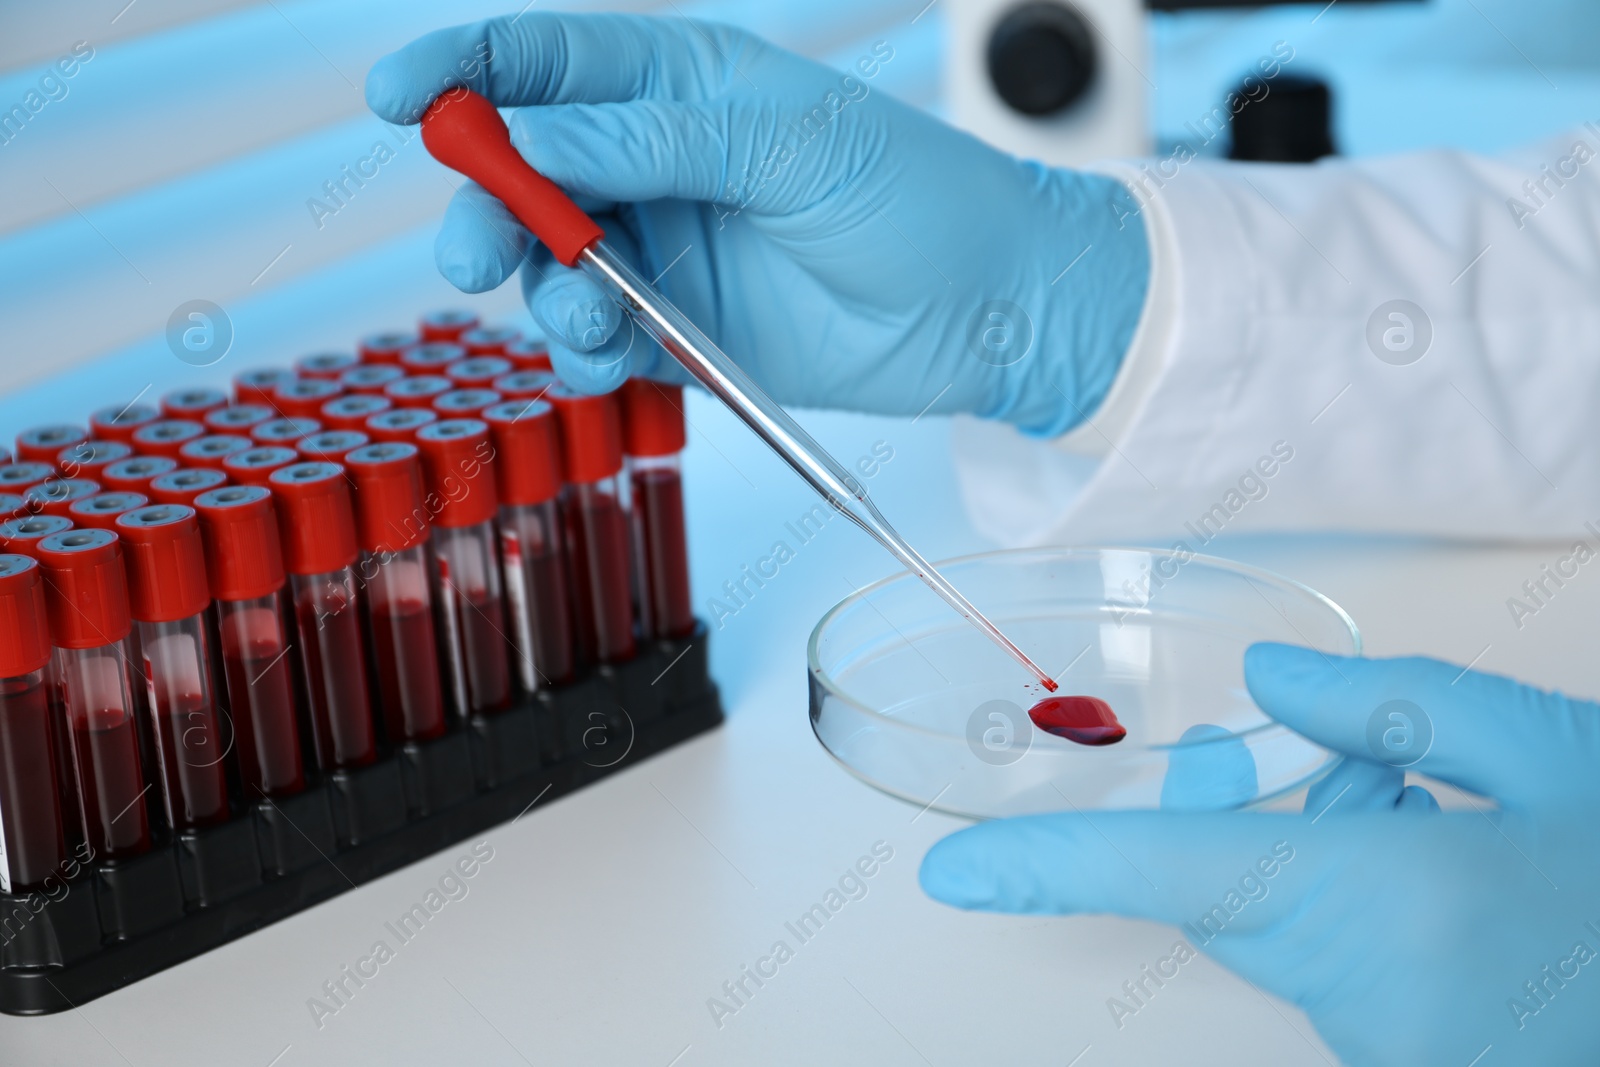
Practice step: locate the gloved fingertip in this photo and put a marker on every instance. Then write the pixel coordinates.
(590, 373)
(1414, 798)
(952, 874)
(388, 90)
(1277, 674)
(574, 312)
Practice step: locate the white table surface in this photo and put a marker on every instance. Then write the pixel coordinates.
(606, 919)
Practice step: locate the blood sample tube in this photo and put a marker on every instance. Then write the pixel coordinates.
(283, 431)
(371, 377)
(30, 793)
(477, 372)
(135, 475)
(192, 403)
(595, 512)
(244, 567)
(400, 424)
(464, 403)
(431, 358)
(19, 477)
(447, 325)
(87, 459)
(652, 438)
(317, 526)
(392, 530)
(168, 596)
(528, 354)
(87, 594)
(99, 512)
(489, 340)
(304, 397)
(42, 444)
(118, 423)
(12, 506)
(352, 412)
(255, 465)
(524, 384)
(21, 536)
(329, 365)
(386, 347)
(212, 449)
(419, 391)
(55, 496)
(257, 386)
(237, 418)
(527, 467)
(330, 445)
(458, 470)
(165, 437)
(184, 484)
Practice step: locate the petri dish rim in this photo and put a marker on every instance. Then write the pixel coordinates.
(814, 667)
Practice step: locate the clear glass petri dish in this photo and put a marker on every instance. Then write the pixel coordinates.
(913, 700)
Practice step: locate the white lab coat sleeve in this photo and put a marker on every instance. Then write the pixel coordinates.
(1254, 398)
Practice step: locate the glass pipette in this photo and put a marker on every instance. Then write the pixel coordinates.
(463, 131)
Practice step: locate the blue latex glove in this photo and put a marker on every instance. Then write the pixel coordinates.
(1408, 936)
(841, 245)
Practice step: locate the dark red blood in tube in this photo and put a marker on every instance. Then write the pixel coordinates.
(664, 577)
(1086, 720)
(597, 532)
(408, 669)
(330, 630)
(30, 802)
(261, 697)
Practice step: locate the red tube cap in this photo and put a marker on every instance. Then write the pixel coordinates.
(21, 536)
(257, 386)
(211, 450)
(184, 484)
(283, 431)
(134, 475)
(41, 444)
(418, 391)
(18, 477)
(24, 625)
(527, 446)
(99, 512)
(118, 423)
(390, 512)
(458, 470)
(239, 527)
(591, 434)
(352, 412)
(464, 403)
(192, 403)
(166, 562)
(489, 340)
(330, 445)
(166, 437)
(431, 357)
(255, 465)
(524, 384)
(315, 518)
(401, 424)
(237, 418)
(528, 354)
(55, 496)
(12, 506)
(370, 378)
(652, 418)
(478, 371)
(87, 459)
(86, 588)
(447, 325)
(304, 397)
(386, 347)
(328, 365)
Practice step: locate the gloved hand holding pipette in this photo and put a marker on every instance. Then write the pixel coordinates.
(1409, 936)
(845, 270)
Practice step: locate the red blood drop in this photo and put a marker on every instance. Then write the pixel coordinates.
(1086, 720)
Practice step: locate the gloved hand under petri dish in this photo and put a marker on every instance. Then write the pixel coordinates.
(913, 700)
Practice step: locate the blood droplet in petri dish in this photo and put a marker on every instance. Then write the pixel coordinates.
(1086, 720)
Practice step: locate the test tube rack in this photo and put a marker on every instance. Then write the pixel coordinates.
(108, 924)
